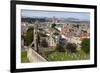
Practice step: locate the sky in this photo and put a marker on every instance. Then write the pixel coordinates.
(57, 14)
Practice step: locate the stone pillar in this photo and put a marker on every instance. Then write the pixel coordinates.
(35, 36)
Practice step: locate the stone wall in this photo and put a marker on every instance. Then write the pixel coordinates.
(34, 56)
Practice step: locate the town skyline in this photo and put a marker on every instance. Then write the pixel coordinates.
(57, 14)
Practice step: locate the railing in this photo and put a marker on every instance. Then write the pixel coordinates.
(34, 56)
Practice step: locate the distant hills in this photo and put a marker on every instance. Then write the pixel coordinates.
(47, 19)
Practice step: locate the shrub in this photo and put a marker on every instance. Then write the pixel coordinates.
(60, 48)
(85, 45)
(71, 47)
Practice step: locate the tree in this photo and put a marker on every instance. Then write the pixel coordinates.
(53, 25)
(59, 48)
(85, 45)
(71, 47)
(56, 33)
(28, 38)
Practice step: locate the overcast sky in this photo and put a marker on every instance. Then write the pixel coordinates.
(58, 14)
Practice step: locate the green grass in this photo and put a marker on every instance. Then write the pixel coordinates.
(24, 58)
(65, 56)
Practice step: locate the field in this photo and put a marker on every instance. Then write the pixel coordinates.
(65, 56)
(24, 58)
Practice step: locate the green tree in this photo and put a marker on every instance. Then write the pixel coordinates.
(71, 47)
(28, 38)
(59, 48)
(53, 25)
(85, 45)
(56, 33)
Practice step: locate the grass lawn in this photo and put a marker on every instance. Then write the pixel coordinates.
(24, 58)
(65, 56)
